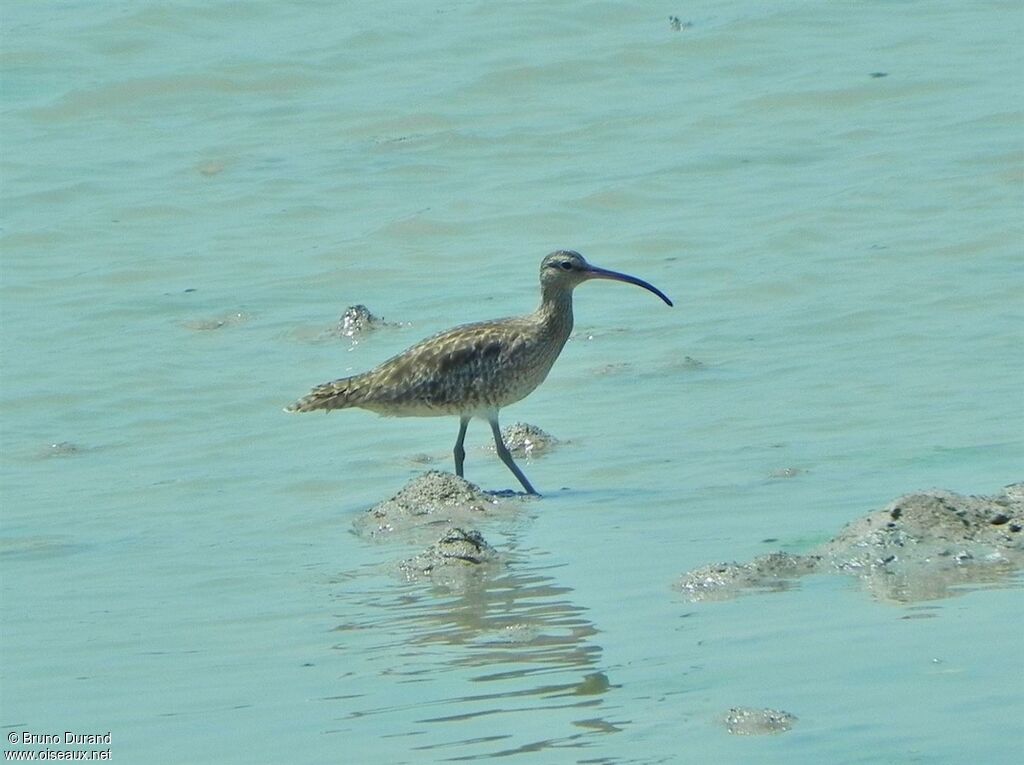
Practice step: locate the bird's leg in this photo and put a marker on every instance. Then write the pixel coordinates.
(503, 453)
(460, 451)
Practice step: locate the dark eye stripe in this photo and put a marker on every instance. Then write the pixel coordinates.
(566, 265)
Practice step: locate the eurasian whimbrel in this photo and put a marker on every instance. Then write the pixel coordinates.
(475, 369)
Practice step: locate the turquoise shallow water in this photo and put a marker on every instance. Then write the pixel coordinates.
(194, 192)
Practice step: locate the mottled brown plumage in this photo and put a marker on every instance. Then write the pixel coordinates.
(475, 369)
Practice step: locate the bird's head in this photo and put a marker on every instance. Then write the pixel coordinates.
(565, 269)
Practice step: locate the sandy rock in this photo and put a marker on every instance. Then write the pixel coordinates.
(744, 721)
(766, 573)
(428, 504)
(356, 320)
(525, 440)
(455, 559)
(919, 547)
(922, 545)
(952, 523)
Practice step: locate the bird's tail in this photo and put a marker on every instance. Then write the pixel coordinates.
(337, 394)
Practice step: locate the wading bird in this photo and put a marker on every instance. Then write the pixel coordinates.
(475, 369)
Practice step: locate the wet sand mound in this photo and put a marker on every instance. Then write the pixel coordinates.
(357, 320)
(457, 555)
(744, 721)
(525, 440)
(725, 581)
(427, 507)
(919, 547)
(441, 510)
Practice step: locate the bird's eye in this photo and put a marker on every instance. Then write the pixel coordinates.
(565, 265)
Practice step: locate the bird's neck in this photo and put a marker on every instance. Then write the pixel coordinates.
(555, 311)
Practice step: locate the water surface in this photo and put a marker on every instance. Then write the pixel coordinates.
(194, 192)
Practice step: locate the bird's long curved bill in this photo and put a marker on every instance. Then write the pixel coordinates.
(602, 273)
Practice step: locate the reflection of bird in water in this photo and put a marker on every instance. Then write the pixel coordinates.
(475, 369)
